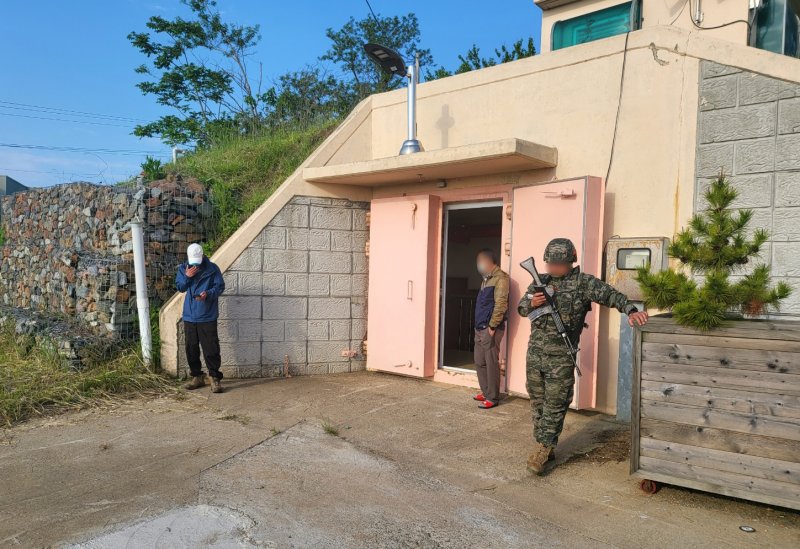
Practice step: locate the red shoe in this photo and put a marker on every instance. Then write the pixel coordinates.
(486, 404)
(479, 397)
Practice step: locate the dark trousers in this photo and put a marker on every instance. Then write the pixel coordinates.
(202, 334)
(487, 362)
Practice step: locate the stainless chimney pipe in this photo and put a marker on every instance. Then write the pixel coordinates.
(412, 144)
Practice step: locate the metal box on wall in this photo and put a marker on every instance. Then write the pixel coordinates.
(625, 255)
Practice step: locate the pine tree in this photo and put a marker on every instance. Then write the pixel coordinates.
(715, 245)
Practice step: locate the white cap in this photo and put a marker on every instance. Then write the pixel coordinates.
(195, 254)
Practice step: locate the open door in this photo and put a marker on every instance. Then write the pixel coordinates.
(402, 284)
(572, 209)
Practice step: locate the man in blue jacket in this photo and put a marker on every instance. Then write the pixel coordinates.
(203, 283)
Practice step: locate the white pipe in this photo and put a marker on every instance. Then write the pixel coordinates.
(412, 144)
(142, 302)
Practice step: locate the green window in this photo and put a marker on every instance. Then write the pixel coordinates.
(596, 25)
(776, 28)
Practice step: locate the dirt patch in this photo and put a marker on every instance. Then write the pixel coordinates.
(609, 445)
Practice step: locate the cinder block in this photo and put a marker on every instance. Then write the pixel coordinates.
(360, 220)
(358, 365)
(786, 224)
(272, 238)
(297, 239)
(788, 152)
(755, 156)
(291, 215)
(711, 159)
(355, 345)
(360, 285)
(250, 330)
(273, 371)
(319, 201)
(755, 88)
(238, 308)
(787, 189)
(789, 116)
(341, 286)
(748, 122)
(273, 283)
(755, 191)
(328, 307)
(786, 259)
(231, 279)
(282, 308)
(227, 330)
(360, 241)
(316, 369)
(249, 260)
(272, 330)
(762, 219)
(300, 200)
(339, 367)
(711, 69)
(791, 305)
(331, 218)
(286, 261)
(319, 285)
(250, 284)
(327, 351)
(234, 354)
(241, 372)
(296, 330)
(330, 262)
(341, 241)
(275, 353)
(358, 308)
(319, 239)
(360, 264)
(718, 93)
(297, 284)
(358, 328)
(340, 329)
(318, 330)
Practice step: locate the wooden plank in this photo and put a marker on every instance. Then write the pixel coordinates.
(748, 486)
(745, 359)
(636, 397)
(754, 466)
(717, 489)
(705, 376)
(721, 341)
(754, 329)
(762, 404)
(721, 439)
(787, 428)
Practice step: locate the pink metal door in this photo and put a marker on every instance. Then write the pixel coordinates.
(572, 209)
(402, 284)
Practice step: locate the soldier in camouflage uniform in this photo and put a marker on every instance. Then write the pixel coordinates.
(550, 370)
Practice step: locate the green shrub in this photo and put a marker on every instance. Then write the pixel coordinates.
(153, 169)
(716, 245)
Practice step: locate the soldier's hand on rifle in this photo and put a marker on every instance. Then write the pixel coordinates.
(538, 300)
(638, 318)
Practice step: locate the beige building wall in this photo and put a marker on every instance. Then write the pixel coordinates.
(657, 13)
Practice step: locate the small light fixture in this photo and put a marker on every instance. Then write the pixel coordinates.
(441, 184)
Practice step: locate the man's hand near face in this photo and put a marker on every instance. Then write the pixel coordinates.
(191, 271)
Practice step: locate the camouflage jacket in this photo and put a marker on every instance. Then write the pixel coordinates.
(574, 295)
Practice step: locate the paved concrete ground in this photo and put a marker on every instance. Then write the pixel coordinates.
(414, 464)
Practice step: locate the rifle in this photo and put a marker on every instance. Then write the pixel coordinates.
(550, 308)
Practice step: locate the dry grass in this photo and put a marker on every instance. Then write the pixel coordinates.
(34, 383)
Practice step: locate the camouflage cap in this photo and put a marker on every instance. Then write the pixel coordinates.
(560, 250)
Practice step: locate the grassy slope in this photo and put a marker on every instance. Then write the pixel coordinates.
(243, 172)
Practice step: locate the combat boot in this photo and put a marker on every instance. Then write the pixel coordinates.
(216, 385)
(540, 456)
(195, 383)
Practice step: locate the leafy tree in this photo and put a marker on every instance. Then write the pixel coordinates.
(200, 68)
(472, 60)
(716, 245)
(306, 97)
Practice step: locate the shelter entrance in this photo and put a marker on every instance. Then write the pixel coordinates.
(467, 228)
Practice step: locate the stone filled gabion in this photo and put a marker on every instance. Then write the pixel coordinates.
(68, 249)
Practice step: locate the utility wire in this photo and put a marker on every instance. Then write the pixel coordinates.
(619, 107)
(62, 119)
(56, 110)
(375, 17)
(83, 149)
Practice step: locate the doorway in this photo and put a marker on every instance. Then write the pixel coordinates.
(467, 229)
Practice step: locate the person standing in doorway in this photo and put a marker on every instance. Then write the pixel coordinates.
(491, 309)
(550, 369)
(203, 283)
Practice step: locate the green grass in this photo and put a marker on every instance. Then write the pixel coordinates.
(243, 171)
(330, 429)
(33, 382)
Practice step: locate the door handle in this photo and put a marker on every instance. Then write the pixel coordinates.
(410, 295)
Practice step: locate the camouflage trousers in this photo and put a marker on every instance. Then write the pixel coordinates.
(550, 384)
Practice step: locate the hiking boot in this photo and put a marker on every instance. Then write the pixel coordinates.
(195, 383)
(540, 456)
(216, 385)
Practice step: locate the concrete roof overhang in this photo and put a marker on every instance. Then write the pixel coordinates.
(492, 157)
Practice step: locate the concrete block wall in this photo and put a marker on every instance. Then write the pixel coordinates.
(749, 127)
(299, 290)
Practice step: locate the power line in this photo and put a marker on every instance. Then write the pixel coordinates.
(54, 172)
(62, 119)
(57, 110)
(371, 10)
(83, 149)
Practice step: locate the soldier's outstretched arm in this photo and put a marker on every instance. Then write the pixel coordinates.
(605, 294)
(524, 308)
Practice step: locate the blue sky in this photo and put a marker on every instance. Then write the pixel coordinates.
(74, 55)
